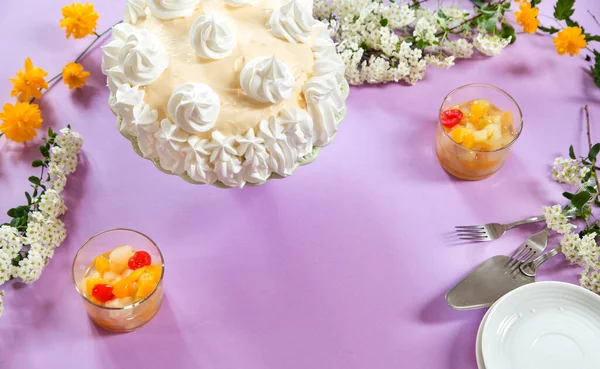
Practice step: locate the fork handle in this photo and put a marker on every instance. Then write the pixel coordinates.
(539, 218)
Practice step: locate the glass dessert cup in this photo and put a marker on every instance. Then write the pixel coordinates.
(118, 319)
(471, 163)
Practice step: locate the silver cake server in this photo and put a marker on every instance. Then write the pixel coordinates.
(493, 279)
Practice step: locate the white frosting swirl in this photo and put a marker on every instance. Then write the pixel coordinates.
(298, 128)
(238, 3)
(171, 9)
(134, 9)
(126, 99)
(197, 161)
(144, 118)
(170, 146)
(147, 144)
(212, 37)
(227, 165)
(325, 102)
(255, 167)
(293, 21)
(194, 107)
(282, 156)
(142, 58)
(267, 79)
(113, 48)
(328, 61)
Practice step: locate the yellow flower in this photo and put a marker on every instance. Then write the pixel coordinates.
(20, 121)
(29, 82)
(570, 40)
(74, 75)
(527, 17)
(79, 20)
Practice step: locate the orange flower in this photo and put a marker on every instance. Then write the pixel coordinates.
(29, 82)
(79, 20)
(570, 40)
(74, 75)
(527, 17)
(20, 121)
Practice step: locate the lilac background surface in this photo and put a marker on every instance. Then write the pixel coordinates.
(343, 265)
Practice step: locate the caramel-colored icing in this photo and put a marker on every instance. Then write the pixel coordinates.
(254, 39)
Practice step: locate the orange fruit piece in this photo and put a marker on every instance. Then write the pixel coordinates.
(124, 288)
(90, 283)
(463, 136)
(155, 270)
(102, 264)
(146, 285)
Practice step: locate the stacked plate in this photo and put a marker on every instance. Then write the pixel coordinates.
(545, 325)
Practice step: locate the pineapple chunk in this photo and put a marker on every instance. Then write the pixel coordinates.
(480, 136)
(506, 119)
(119, 258)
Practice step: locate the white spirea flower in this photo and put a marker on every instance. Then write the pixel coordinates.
(49, 232)
(568, 171)
(1, 302)
(490, 45)
(31, 267)
(5, 266)
(460, 48)
(59, 181)
(556, 219)
(11, 241)
(52, 204)
(590, 279)
(425, 31)
(570, 246)
(63, 159)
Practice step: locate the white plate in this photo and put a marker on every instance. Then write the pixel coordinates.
(544, 325)
(478, 348)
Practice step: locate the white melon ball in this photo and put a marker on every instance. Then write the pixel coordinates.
(119, 258)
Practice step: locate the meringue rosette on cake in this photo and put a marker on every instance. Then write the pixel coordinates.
(225, 92)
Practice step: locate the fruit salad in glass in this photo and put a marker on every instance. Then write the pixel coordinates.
(477, 126)
(122, 285)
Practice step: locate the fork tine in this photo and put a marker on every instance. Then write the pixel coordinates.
(470, 227)
(476, 239)
(471, 231)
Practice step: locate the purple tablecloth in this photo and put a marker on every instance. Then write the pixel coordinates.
(344, 265)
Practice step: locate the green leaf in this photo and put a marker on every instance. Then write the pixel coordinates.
(28, 196)
(594, 152)
(591, 189)
(589, 37)
(595, 69)
(508, 31)
(421, 44)
(35, 180)
(580, 199)
(441, 14)
(479, 3)
(35, 192)
(12, 212)
(572, 23)
(549, 30)
(491, 25)
(37, 163)
(596, 201)
(568, 195)
(45, 151)
(572, 153)
(14, 222)
(355, 18)
(587, 176)
(383, 22)
(563, 9)
(535, 2)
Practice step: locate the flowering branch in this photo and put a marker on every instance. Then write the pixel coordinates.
(383, 42)
(28, 241)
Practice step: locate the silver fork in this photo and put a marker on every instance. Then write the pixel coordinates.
(493, 231)
(533, 246)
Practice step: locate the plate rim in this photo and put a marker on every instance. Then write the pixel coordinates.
(559, 284)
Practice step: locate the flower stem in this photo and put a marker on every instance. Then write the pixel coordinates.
(593, 16)
(469, 20)
(79, 57)
(589, 137)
